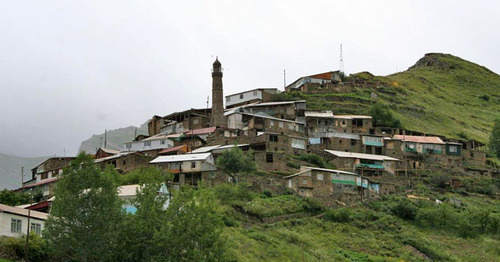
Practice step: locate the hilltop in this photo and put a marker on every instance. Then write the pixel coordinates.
(115, 138)
(441, 94)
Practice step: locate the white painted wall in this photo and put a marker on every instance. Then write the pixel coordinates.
(247, 96)
(5, 224)
(148, 145)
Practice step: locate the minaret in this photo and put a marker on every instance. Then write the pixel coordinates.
(217, 95)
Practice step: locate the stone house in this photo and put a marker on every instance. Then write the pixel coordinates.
(365, 164)
(152, 144)
(329, 185)
(190, 169)
(260, 123)
(105, 152)
(289, 110)
(304, 83)
(179, 122)
(125, 162)
(45, 175)
(359, 124)
(250, 97)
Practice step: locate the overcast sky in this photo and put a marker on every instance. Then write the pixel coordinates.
(70, 69)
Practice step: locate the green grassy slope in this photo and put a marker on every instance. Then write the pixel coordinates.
(441, 94)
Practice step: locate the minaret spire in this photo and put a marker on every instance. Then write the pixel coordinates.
(217, 95)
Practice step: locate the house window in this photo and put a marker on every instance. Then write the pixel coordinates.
(147, 143)
(357, 122)
(124, 162)
(271, 123)
(254, 93)
(281, 124)
(193, 164)
(44, 176)
(273, 138)
(304, 181)
(353, 142)
(36, 228)
(453, 149)
(16, 225)
(269, 157)
(320, 177)
(241, 96)
(290, 126)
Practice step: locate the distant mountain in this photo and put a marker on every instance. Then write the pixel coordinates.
(10, 169)
(114, 138)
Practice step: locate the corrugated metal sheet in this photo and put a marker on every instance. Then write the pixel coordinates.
(420, 139)
(323, 114)
(360, 155)
(180, 158)
(352, 117)
(23, 212)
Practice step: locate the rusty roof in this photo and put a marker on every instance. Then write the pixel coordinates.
(420, 139)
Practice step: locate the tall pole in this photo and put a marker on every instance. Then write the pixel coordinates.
(26, 248)
(284, 78)
(22, 176)
(404, 154)
(105, 138)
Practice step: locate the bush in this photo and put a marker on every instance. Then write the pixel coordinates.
(230, 194)
(314, 160)
(37, 248)
(341, 215)
(383, 117)
(405, 209)
(440, 180)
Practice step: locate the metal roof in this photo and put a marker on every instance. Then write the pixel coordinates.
(23, 212)
(325, 114)
(321, 169)
(275, 103)
(256, 89)
(45, 181)
(352, 117)
(128, 190)
(205, 149)
(172, 149)
(180, 158)
(420, 139)
(201, 131)
(343, 154)
(109, 151)
(99, 160)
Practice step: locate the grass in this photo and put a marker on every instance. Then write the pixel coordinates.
(452, 97)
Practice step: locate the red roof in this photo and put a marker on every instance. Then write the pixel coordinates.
(420, 139)
(173, 149)
(40, 205)
(46, 181)
(201, 131)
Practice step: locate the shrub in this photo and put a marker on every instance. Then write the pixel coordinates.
(267, 194)
(341, 215)
(229, 194)
(440, 180)
(405, 209)
(37, 248)
(314, 159)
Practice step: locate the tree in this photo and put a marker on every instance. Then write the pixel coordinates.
(137, 242)
(235, 161)
(382, 116)
(11, 198)
(194, 227)
(86, 214)
(494, 143)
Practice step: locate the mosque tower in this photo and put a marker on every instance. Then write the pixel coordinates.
(217, 95)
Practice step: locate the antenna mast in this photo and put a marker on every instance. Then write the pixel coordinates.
(341, 63)
(284, 78)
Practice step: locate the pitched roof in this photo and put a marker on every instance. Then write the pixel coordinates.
(45, 181)
(180, 158)
(275, 103)
(109, 151)
(201, 131)
(172, 149)
(128, 190)
(99, 160)
(207, 149)
(256, 89)
(420, 139)
(322, 169)
(343, 154)
(23, 212)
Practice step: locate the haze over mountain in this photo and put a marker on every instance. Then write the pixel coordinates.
(10, 169)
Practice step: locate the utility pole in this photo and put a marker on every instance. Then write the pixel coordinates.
(22, 175)
(341, 62)
(284, 78)
(404, 154)
(105, 138)
(27, 246)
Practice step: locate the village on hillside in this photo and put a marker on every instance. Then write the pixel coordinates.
(369, 160)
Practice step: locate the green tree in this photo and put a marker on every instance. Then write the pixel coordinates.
(382, 116)
(193, 231)
(494, 143)
(12, 198)
(137, 242)
(235, 161)
(86, 214)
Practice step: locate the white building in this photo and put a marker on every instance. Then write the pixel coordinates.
(14, 221)
(159, 141)
(250, 96)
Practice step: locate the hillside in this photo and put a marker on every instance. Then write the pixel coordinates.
(441, 94)
(10, 169)
(115, 138)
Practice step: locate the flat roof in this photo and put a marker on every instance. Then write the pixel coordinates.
(180, 158)
(251, 90)
(343, 154)
(23, 212)
(420, 139)
(352, 116)
(325, 114)
(324, 170)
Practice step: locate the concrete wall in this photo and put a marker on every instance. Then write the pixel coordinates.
(5, 224)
